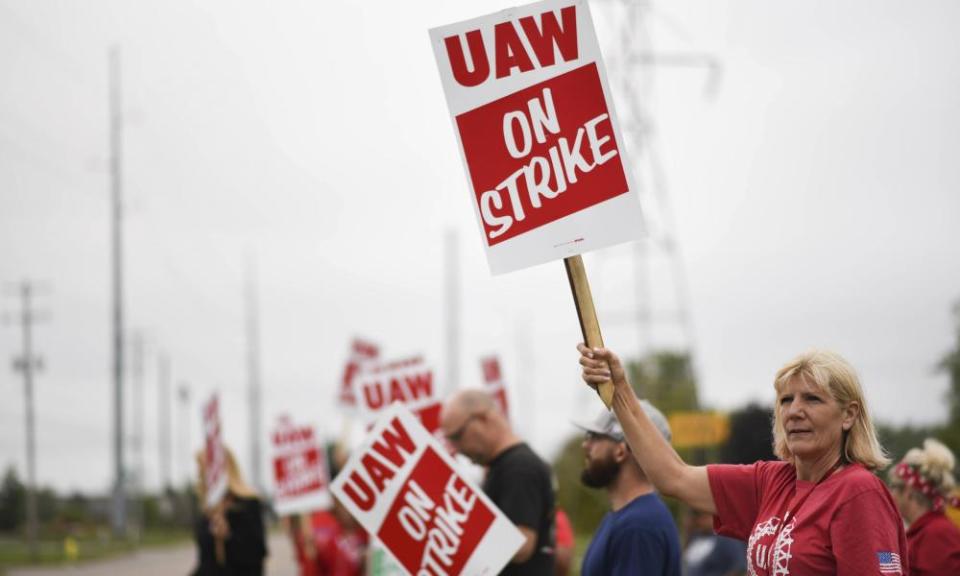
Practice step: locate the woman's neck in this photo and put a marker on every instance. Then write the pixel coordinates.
(818, 469)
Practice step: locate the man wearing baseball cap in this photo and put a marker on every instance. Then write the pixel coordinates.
(638, 535)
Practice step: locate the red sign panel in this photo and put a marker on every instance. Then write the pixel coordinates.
(436, 521)
(541, 153)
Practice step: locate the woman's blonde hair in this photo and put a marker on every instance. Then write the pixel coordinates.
(834, 376)
(934, 463)
(236, 485)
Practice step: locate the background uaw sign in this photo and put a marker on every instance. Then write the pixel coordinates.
(299, 470)
(403, 487)
(214, 454)
(534, 120)
(410, 381)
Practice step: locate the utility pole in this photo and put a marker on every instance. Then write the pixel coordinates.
(137, 439)
(452, 316)
(183, 395)
(119, 516)
(27, 364)
(253, 369)
(163, 421)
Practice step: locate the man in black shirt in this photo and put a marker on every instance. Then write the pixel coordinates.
(517, 480)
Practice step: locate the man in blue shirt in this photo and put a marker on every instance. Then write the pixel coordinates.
(638, 536)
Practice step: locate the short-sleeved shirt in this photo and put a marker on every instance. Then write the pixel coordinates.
(934, 543)
(847, 524)
(638, 539)
(518, 482)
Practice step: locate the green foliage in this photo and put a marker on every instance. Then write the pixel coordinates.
(666, 379)
(950, 433)
(585, 506)
(898, 439)
(13, 501)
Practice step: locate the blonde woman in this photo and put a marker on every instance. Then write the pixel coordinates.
(819, 509)
(922, 485)
(230, 537)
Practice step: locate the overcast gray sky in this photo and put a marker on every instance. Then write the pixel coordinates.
(816, 197)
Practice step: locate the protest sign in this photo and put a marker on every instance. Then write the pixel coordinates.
(537, 133)
(299, 470)
(410, 381)
(362, 352)
(540, 142)
(493, 382)
(214, 454)
(404, 489)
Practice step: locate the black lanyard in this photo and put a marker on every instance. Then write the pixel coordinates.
(792, 512)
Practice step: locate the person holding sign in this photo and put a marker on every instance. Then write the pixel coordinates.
(819, 510)
(230, 536)
(638, 536)
(517, 480)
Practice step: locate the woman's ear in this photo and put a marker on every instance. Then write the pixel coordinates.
(849, 415)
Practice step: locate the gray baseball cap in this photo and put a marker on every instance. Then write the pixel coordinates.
(606, 423)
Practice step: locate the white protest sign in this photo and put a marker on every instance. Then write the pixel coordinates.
(404, 488)
(362, 352)
(299, 470)
(493, 382)
(214, 455)
(537, 133)
(410, 381)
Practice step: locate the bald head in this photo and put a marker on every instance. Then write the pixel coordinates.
(473, 424)
(469, 401)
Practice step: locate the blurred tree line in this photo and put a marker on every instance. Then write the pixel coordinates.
(77, 513)
(667, 380)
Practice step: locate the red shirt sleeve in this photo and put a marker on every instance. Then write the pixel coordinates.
(736, 493)
(564, 530)
(864, 530)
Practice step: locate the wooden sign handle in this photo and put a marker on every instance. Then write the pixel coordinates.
(589, 325)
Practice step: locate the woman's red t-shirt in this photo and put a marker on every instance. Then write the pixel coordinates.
(846, 525)
(934, 544)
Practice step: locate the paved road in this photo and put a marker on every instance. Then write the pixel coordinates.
(174, 561)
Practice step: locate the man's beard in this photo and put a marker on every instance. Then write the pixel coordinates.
(599, 473)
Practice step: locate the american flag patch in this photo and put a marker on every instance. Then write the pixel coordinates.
(889, 563)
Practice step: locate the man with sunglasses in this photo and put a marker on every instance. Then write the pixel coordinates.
(639, 535)
(517, 480)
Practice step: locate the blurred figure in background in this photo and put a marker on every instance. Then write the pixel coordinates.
(517, 480)
(638, 535)
(922, 485)
(236, 522)
(565, 541)
(709, 554)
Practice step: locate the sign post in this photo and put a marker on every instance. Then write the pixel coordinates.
(540, 142)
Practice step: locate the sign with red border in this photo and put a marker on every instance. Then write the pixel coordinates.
(404, 488)
(537, 133)
(214, 454)
(299, 470)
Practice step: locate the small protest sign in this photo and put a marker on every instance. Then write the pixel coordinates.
(493, 382)
(537, 133)
(214, 454)
(299, 470)
(405, 490)
(410, 381)
(362, 352)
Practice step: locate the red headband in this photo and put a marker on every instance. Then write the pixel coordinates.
(914, 479)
